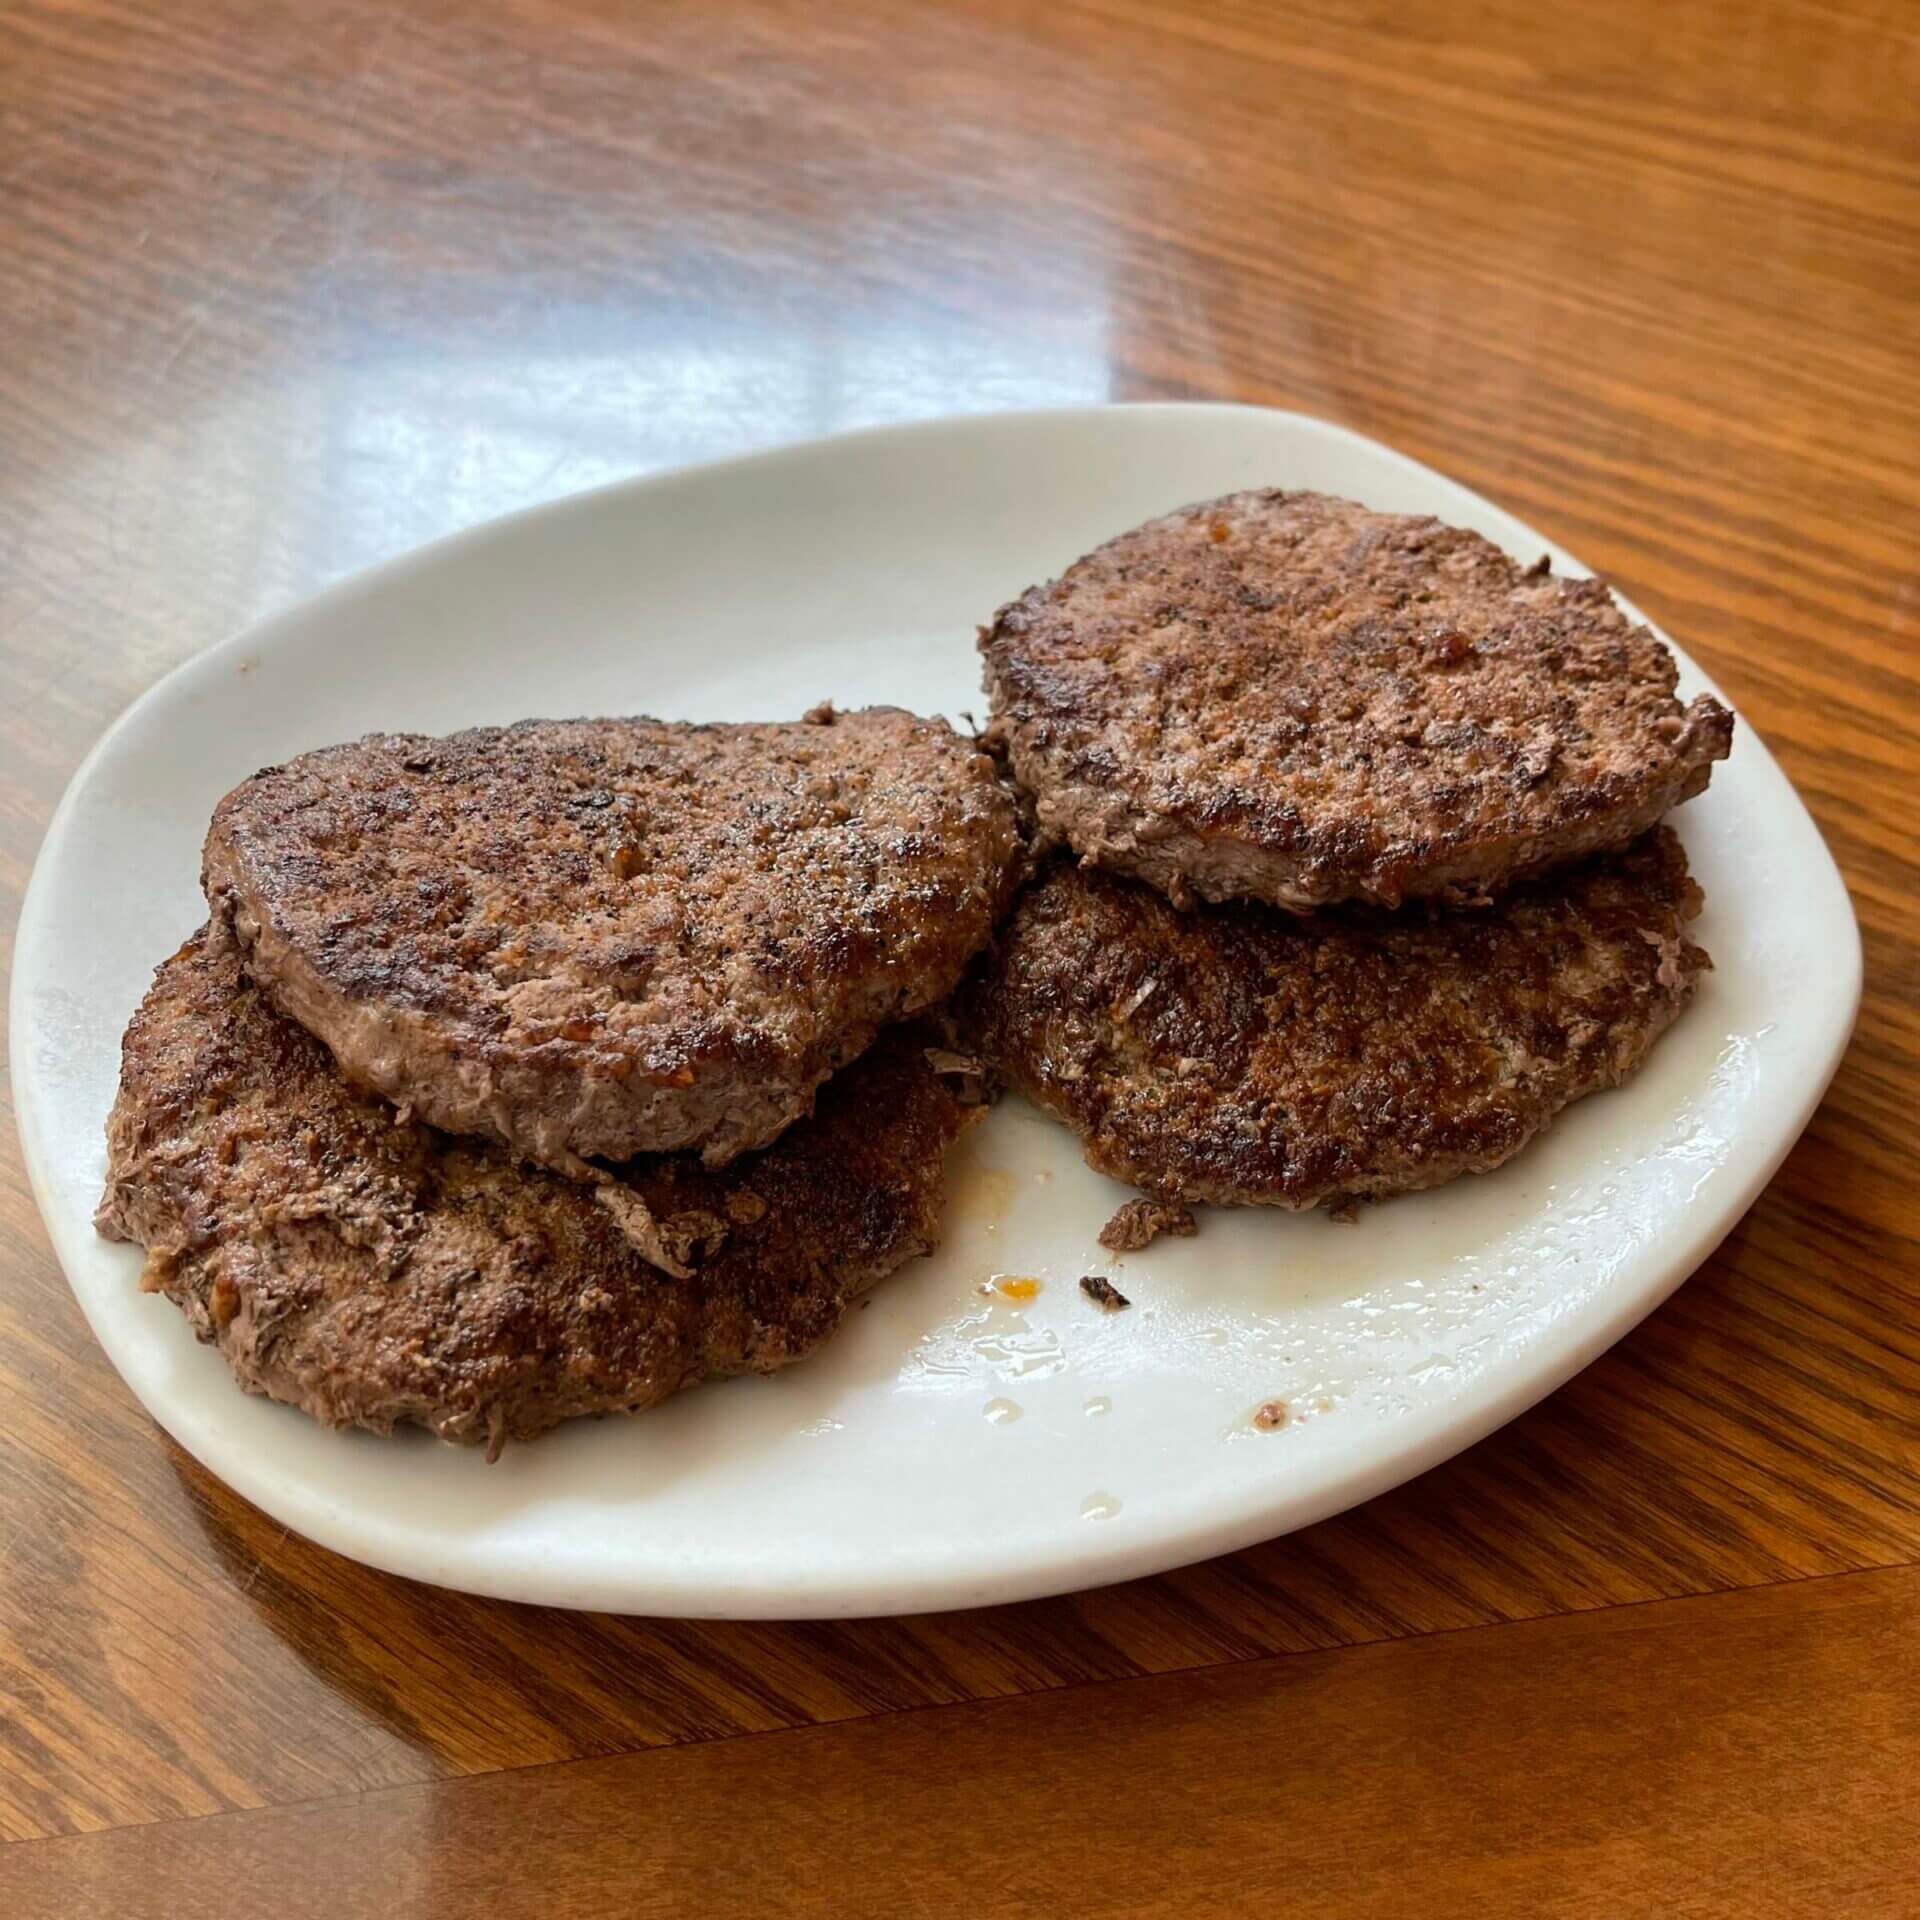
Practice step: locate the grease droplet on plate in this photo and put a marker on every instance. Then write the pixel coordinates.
(1099, 1506)
(1002, 1412)
(1014, 1286)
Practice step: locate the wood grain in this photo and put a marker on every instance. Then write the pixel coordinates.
(288, 290)
(1417, 1777)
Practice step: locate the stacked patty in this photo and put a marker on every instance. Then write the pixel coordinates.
(1310, 713)
(488, 1095)
(373, 1270)
(1239, 1055)
(1286, 697)
(597, 938)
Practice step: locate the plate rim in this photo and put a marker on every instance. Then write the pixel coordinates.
(1433, 1435)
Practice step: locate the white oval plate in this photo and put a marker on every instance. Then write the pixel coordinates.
(947, 1449)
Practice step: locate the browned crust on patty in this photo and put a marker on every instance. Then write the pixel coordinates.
(1241, 1055)
(1288, 697)
(608, 937)
(374, 1272)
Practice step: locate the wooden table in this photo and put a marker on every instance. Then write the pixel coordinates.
(286, 289)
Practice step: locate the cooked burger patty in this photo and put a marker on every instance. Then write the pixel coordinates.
(372, 1272)
(1287, 697)
(1242, 1055)
(610, 937)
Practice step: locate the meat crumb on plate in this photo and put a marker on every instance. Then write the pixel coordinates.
(1141, 1222)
